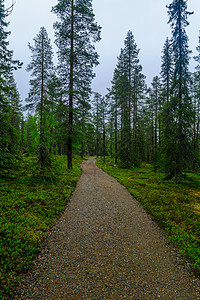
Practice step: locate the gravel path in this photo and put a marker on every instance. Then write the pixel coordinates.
(106, 247)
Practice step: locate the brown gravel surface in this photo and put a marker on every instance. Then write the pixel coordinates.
(106, 247)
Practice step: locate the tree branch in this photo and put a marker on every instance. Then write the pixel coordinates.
(9, 10)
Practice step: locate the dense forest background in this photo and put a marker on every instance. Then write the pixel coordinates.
(147, 136)
(133, 123)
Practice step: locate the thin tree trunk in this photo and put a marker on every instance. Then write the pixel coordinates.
(194, 136)
(71, 89)
(156, 137)
(197, 131)
(129, 96)
(111, 138)
(134, 118)
(115, 131)
(97, 133)
(41, 113)
(42, 98)
(179, 156)
(82, 143)
(104, 136)
(152, 137)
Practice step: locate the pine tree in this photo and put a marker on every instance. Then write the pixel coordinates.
(179, 110)
(75, 34)
(38, 98)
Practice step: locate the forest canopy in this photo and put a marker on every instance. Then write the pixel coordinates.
(133, 122)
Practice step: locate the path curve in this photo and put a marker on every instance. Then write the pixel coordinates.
(106, 247)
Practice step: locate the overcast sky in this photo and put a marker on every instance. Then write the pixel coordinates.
(147, 19)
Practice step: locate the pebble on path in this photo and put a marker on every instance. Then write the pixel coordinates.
(105, 246)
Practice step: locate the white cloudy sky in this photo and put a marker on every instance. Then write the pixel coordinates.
(147, 19)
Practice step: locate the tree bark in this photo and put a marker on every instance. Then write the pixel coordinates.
(104, 136)
(69, 156)
(115, 131)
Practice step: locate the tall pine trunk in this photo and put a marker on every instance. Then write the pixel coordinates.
(71, 85)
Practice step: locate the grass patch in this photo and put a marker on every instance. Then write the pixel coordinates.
(29, 206)
(175, 207)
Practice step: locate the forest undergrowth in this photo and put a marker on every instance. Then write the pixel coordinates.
(174, 207)
(29, 206)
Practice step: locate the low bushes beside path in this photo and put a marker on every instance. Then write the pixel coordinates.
(175, 207)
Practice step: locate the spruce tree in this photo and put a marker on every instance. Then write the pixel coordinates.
(167, 69)
(31, 134)
(130, 55)
(97, 120)
(139, 95)
(41, 67)
(75, 34)
(179, 111)
(131, 58)
(58, 113)
(122, 94)
(104, 106)
(196, 91)
(53, 122)
(113, 96)
(15, 113)
(154, 107)
(7, 90)
(166, 81)
(129, 90)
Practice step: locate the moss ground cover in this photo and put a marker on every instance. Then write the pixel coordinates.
(29, 206)
(175, 207)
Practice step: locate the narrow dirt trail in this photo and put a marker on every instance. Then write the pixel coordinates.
(106, 247)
